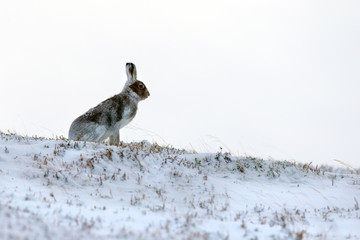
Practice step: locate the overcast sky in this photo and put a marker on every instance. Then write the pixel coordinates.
(277, 79)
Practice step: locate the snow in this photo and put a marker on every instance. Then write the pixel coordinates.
(61, 189)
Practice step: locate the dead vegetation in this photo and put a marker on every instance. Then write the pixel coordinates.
(100, 168)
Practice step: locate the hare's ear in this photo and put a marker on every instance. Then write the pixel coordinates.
(131, 72)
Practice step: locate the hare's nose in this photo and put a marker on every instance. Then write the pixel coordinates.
(148, 94)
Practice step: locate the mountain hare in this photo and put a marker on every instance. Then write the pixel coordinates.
(105, 120)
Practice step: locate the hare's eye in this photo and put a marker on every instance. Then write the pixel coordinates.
(141, 86)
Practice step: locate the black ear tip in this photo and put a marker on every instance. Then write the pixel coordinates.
(129, 64)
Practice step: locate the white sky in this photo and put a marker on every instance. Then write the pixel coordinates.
(264, 78)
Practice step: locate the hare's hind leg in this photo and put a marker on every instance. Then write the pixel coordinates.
(93, 133)
(115, 138)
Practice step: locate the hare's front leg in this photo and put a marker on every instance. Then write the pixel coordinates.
(115, 138)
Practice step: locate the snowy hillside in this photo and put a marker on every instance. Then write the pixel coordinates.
(56, 189)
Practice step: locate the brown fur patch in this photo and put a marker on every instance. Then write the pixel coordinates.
(140, 89)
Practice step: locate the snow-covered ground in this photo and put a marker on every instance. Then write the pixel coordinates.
(60, 189)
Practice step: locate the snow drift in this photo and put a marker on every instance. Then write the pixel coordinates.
(61, 189)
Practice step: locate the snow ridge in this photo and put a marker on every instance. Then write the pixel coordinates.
(61, 189)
